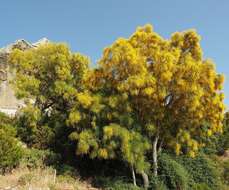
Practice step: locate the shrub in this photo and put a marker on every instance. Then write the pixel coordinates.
(10, 149)
(201, 186)
(67, 170)
(34, 158)
(223, 143)
(226, 172)
(31, 131)
(172, 173)
(218, 143)
(203, 170)
(5, 120)
(157, 184)
(114, 184)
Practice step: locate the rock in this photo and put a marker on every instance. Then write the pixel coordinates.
(9, 104)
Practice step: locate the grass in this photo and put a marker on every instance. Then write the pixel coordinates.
(42, 179)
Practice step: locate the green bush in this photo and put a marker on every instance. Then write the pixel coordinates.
(203, 170)
(67, 170)
(6, 120)
(114, 184)
(31, 130)
(219, 143)
(223, 143)
(10, 148)
(157, 184)
(172, 173)
(226, 172)
(201, 186)
(33, 158)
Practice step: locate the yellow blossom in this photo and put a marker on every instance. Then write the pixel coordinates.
(85, 99)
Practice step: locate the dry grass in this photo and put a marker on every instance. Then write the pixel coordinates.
(225, 156)
(40, 179)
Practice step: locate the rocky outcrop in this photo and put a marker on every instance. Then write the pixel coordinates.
(9, 104)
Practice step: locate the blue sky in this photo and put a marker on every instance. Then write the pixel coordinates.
(90, 25)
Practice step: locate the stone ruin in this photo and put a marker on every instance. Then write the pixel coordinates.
(9, 104)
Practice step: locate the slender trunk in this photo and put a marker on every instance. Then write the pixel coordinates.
(54, 177)
(133, 176)
(155, 165)
(160, 147)
(145, 179)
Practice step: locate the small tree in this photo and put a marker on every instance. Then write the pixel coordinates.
(49, 80)
(105, 133)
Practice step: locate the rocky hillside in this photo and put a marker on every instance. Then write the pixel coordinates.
(8, 102)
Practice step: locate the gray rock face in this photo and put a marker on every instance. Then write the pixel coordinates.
(9, 104)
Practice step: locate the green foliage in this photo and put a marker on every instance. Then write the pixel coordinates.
(10, 148)
(30, 131)
(5, 120)
(50, 81)
(131, 144)
(202, 170)
(114, 184)
(172, 173)
(225, 174)
(34, 158)
(157, 184)
(201, 186)
(183, 172)
(219, 143)
(223, 139)
(66, 170)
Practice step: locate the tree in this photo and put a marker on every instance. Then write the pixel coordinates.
(49, 80)
(109, 134)
(170, 89)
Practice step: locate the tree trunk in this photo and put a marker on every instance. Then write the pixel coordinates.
(155, 165)
(133, 176)
(160, 147)
(145, 179)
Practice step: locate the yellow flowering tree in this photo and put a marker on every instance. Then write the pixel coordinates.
(172, 92)
(109, 134)
(49, 79)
